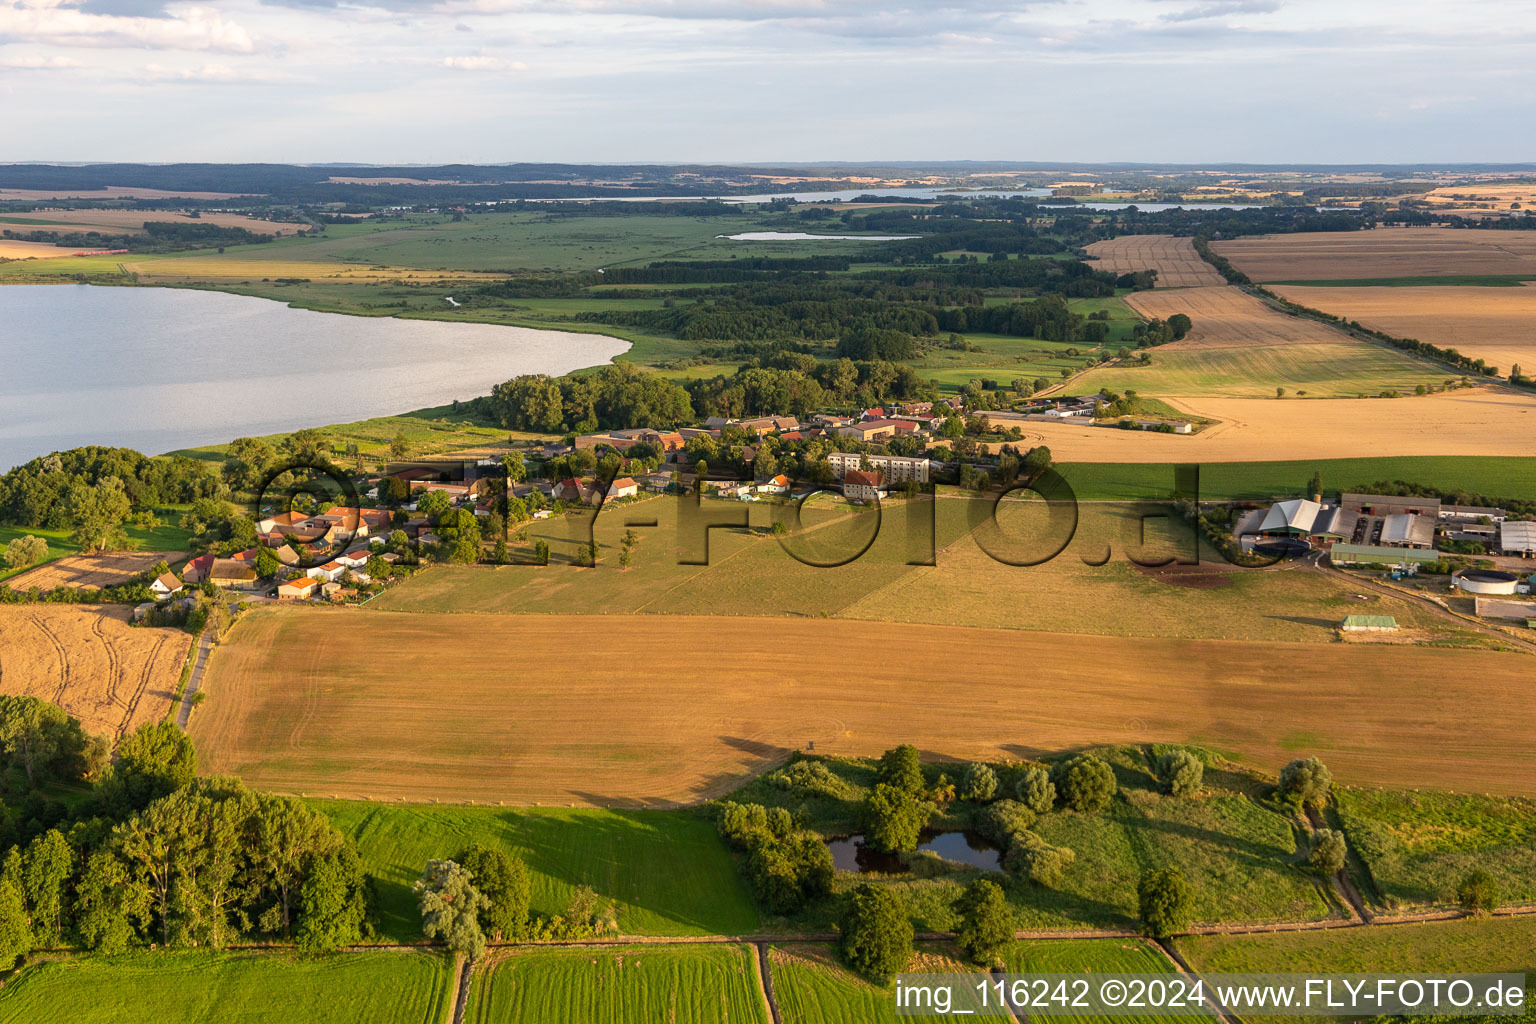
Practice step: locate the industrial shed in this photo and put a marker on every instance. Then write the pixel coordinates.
(1517, 538)
(1366, 554)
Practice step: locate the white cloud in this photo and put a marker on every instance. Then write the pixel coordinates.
(42, 63)
(187, 28)
(482, 63)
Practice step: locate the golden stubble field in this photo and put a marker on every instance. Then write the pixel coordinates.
(1227, 317)
(1496, 324)
(1382, 252)
(1175, 260)
(90, 571)
(133, 221)
(655, 710)
(1468, 421)
(91, 663)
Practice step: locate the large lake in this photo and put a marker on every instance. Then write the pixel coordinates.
(159, 369)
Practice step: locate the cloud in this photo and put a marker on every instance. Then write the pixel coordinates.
(482, 63)
(1223, 9)
(42, 64)
(50, 22)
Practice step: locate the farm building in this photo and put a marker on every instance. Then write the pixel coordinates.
(229, 572)
(1372, 554)
(1407, 530)
(1486, 581)
(1293, 518)
(1369, 624)
(869, 430)
(1517, 538)
(623, 487)
(1390, 504)
(299, 589)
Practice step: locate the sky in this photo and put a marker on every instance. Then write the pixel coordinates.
(766, 81)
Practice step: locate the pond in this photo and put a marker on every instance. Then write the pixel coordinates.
(850, 854)
(159, 369)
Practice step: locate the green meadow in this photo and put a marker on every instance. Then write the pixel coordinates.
(248, 987)
(667, 872)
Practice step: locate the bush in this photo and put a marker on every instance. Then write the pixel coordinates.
(25, 551)
(901, 768)
(1031, 858)
(1327, 852)
(810, 778)
(893, 818)
(1085, 783)
(875, 933)
(1180, 772)
(1165, 902)
(1304, 784)
(1036, 790)
(1478, 893)
(1002, 819)
(986, 924)
(979, 783)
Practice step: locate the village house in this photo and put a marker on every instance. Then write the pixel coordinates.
(299, 589)
(774, 485)
(861, 486)
(328, 572)
(196, 570)
(569, 490)
(165, 585)
(623, 487)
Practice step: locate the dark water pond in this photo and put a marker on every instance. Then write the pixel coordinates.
(850, 854)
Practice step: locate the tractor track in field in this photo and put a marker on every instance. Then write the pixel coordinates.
(58, 649)
(143, 687)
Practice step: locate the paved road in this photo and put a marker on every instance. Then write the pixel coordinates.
(195, 680)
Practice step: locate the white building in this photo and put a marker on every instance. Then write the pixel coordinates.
(896, 468)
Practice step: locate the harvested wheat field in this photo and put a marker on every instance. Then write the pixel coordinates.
(217, 268)
(1228, 317)
(10, 250)
(133, 221)
(1496, 324)
(91, 663)
(1469, 421)
(383, 705)
(1382, 253)
(1175, 260)
(80, 572)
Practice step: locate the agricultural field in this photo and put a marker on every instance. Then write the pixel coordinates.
(337, 703)
(812, 986)
(81, 572)
(668, 872)
(119, 222)
(13, 250)
(253, 988)
(686, 985)
(1485, 420)
(1175, 260)
(751, 574)
(1505, 477)
(1416, 847)
(1098, 956)
(1492, 323)
(91, 663)
(1486, 944)
(1382, 253)
(164, 535)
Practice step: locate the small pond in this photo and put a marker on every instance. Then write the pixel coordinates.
(850, 854)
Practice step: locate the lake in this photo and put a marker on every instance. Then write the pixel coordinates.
(159, 369)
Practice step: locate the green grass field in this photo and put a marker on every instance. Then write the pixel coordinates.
(1237, 852)
(1093, 956)
(1494, 476)
(1315, 371)
(1418, 846)
(675, 984)
(168, 536)
(812, 986)
(251, 988)
(667, 871)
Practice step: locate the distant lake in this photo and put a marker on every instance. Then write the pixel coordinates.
(801, 236)
(159, 369)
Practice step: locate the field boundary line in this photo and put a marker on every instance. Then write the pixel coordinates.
(765, 982)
